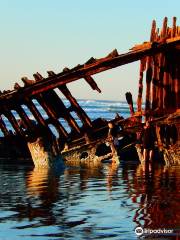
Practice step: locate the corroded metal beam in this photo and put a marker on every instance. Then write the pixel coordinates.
(24, 117)
(52, 116)
(149, 71)
(92, 83)
(36, 113)
(75, 106)
(57, 106)
(13, 122)
(3, 127)
(98, 66)
(140, 87)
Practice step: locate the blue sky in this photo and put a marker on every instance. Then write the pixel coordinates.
(40, 35)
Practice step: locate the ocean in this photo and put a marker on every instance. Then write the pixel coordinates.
(93, 108)
(102, 201)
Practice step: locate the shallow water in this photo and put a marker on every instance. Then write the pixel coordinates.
(102, 202)
(88, 202)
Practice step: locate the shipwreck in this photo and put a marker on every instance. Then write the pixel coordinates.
(159, 76)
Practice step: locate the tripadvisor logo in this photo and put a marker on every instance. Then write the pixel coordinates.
(138, 231)
(146, 231)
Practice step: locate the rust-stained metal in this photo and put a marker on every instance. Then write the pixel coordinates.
(37, 115)
(24, 117)
(75, 106)
(3, 127)
(149, 70)
(92, 83)
(130, 103)
(154, 83)
(159, 61)
(98, 66)
(13, 122)
(140, 88)
(52, 117)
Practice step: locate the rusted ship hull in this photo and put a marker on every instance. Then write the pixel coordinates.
(159, 63)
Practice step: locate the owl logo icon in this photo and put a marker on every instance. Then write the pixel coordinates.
(138, 231)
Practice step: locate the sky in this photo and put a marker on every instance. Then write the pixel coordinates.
(42, 35)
